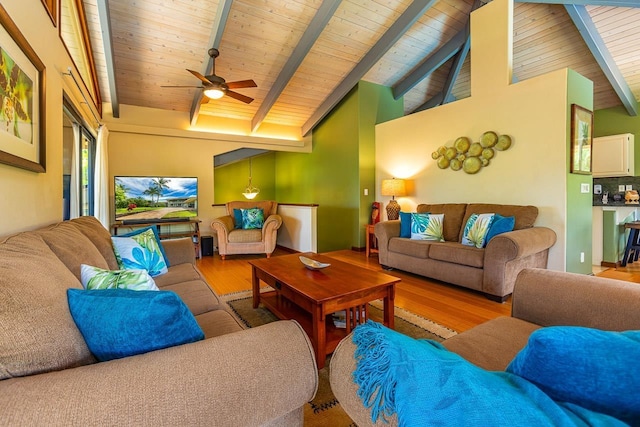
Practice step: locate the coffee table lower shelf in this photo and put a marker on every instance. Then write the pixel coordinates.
(282, 308)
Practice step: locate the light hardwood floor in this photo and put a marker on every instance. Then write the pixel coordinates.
(451, 306)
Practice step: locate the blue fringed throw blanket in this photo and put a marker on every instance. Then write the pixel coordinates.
(427, 385)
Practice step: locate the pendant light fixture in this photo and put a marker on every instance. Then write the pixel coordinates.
(250, 192)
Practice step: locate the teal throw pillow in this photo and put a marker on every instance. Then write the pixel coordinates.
(426, 226)
(141, 251)
(237, 218)
(427, 385)
(98, 278)
(405, 225)
(500, 224)
(476, 229)
(598, 370)
(118, 323)
(155, 232)
(252, 218)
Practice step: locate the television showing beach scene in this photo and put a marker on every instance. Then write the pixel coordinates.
(144, 198)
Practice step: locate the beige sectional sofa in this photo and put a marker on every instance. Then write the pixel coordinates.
(540, 298)
(48, 376)
(491, 270)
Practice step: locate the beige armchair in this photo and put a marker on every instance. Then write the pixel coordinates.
(233, 240)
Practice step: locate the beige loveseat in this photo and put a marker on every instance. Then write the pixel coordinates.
(540, 298)
(233, 240)
(49, 377)
(491, 270)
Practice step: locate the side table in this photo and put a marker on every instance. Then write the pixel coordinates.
(371, 246)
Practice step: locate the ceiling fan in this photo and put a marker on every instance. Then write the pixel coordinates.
(215, 87)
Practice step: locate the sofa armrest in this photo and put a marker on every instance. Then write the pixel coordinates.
(343, 363)
(384, 231)
(547, 297)
(508, 253)
(179, 251)
(272, 223)
(245, 378)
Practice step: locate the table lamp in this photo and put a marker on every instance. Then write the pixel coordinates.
(393, 187)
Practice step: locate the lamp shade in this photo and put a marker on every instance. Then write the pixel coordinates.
(393, 187)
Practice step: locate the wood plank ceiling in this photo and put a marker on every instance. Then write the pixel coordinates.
(155, 41)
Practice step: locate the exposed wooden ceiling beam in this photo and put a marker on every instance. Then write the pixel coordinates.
(432, 63)
(455, 70)
(222, 14)
(311, 34)
(613, 3)
(105, 26)
(415, 10)
(592, 38)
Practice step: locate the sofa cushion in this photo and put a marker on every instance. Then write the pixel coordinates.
(413, 248)
(426, 226)
(453, 214)
(99, 236)
(603, 375)
(457, 253)
(98, 278)
(492, 345)
(140, 251)
(218, 322)
(525, 215)
(476, 229)
(245, 236)
(37, 333)
(178, 273)
(72, 247)
(118, 323)
(197, 295)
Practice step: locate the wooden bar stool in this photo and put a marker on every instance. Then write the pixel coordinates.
(632, 251)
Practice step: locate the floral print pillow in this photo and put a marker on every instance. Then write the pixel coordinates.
(476, 229)
(252, 218)
(141, 251)
(426, 226)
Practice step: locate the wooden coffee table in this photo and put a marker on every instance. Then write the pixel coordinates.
(311, 296)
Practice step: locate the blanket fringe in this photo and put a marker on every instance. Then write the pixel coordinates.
(373, 373)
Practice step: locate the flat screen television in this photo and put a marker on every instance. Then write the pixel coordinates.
(140, 199)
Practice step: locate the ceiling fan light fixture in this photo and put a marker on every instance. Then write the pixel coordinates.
(214, 93)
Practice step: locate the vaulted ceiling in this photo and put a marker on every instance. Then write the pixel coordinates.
(306, 55)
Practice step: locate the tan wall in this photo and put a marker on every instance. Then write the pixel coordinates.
(532, 112)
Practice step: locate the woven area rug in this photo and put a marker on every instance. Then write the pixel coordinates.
(325, 409)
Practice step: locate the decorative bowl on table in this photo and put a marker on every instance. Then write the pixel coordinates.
(312, 264)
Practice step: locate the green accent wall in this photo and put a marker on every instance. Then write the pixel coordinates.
(614, 121)
(579, 205)
(341, 165)
(231, 179)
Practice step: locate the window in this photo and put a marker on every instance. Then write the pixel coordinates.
(79, 155)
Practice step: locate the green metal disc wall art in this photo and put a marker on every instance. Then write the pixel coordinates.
(469, 156)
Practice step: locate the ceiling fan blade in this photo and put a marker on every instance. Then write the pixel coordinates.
(204, 100)
(241, 84)
(200, 76)
(239, 96)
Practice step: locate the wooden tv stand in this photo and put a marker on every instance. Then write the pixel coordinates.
(168, 230)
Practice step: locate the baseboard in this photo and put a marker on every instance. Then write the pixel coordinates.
(610, 264)
(292, 251)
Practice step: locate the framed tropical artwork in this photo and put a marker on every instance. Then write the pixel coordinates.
(581, 139)
(22, 100)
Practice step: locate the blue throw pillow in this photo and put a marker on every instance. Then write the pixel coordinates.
(155, 232)
(117, 323)
(501, 224)
(405, 224)
(252, 218)
(427, 385)
(598, 370)
(237, 218)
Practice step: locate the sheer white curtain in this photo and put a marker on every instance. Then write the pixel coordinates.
(101, 178)
(74, 191)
